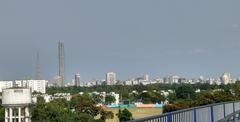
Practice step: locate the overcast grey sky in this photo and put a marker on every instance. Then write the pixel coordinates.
(129, 37)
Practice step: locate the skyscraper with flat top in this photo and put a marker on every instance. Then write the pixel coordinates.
(61, 60)
(77, 80)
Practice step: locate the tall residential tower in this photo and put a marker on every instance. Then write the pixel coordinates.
(61, 60)
(77, 80)
(111, 78)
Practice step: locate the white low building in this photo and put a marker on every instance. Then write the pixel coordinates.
(46, 97)
(128, 82)
(135, 82)
(116, 96)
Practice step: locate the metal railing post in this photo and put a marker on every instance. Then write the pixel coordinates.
(212, 114)
(224, 110)
(194, 115)
(233, 107)
(169, 118)
(233, 112)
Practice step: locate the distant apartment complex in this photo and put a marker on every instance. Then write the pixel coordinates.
(226, 78)
(111, 78)
(34, 85)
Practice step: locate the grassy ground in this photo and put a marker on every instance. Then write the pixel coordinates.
(137, 112)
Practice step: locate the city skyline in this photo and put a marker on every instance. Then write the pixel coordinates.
(156, 38)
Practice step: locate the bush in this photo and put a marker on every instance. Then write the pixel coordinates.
(124, 115)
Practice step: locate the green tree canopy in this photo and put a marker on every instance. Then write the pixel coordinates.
(109, 99)
(124, 115)
(185, 91)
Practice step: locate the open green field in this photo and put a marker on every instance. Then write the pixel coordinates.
(137, 112)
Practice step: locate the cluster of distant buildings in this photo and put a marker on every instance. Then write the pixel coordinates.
(111, 79)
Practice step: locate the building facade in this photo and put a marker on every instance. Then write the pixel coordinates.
(226, 78)
(77, 80)
(61, 59)
(5, 84)
(111, 78)
(35, 85)
(16, 102)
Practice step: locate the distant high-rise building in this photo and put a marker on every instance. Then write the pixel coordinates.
(172, 79)
(55, 81)
(146, 77)
(61, 59)
(77, 80)
(226, 78)
(111, 78)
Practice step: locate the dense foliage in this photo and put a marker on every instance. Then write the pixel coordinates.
(125, 90)
(184, 95)
(109, 99)
(124, 115)
(80, 109)
(153, 94)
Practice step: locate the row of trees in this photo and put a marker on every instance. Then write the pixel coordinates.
(125, 90)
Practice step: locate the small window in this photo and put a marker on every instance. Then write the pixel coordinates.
(22, 111)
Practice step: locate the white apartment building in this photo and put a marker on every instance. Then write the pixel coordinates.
(226, 78)
(144, 82)
(111, 78)
(5, 84)
(135, 82)
(35, 85)
(172, 79)
(128, 82)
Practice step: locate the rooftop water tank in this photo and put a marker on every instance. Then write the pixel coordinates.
(16, 97)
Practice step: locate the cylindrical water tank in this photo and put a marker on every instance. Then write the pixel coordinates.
(16, 96)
